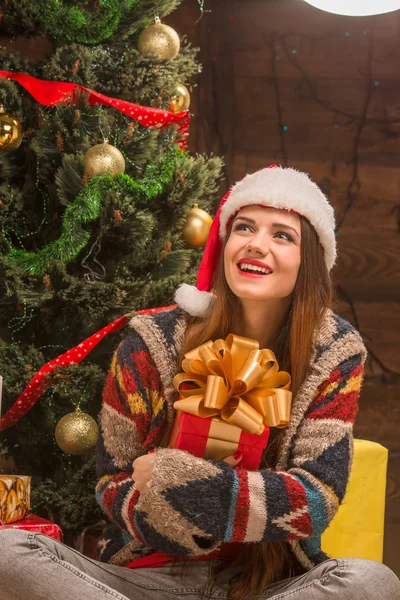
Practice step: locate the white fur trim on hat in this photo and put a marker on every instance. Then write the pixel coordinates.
(289, 189)
(192, 300)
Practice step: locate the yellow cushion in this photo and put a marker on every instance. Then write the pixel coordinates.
(357, 529)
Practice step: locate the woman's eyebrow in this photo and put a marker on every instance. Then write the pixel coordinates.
(275, 225)
(284, 226)
(252, 221)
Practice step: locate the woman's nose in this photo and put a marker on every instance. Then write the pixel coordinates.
(259, 243)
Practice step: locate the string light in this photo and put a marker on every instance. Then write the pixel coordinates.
(202, 9)
(361, 121)
(18, 323)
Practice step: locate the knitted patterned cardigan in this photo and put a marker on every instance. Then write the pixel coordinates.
(193, 505)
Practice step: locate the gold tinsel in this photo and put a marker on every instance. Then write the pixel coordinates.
(130, 130)
(47, 284)
(159, 40)
(60, 142)
(166, 250)
(77, 116)
(75, 67)
(76, 433)
(85, 178)
(181, 178)
(104, 159)
(118, 218)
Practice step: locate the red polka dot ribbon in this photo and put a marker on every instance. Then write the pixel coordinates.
(40, 383)
(50, 93)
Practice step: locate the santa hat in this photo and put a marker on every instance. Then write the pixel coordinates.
(275, 187)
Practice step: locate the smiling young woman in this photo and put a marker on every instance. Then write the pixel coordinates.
(289, 310)
(265, 274)
(282, 314)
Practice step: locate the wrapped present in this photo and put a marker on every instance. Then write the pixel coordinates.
(15, 495)
(214, 439)
(37, 525)
(234, 392)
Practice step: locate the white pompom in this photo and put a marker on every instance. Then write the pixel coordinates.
(192, 300)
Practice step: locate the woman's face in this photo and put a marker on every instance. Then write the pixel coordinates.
(262, 255)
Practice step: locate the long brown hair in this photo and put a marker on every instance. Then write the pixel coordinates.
(263, 563)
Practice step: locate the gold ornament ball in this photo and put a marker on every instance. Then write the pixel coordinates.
(76, 433)
(104, 159)
(196, 228)
(10, 132)
(159, 40)
(181, 99)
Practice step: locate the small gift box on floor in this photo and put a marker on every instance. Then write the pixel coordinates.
(231, 393)
(37, 525)
(15, 495)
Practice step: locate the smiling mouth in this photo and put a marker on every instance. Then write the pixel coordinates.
(253, 269)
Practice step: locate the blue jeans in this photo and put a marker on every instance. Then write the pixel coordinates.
(36, 567)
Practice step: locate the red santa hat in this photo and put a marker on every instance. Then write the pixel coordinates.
(274, 187)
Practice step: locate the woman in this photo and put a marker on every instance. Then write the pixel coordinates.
(237, 533)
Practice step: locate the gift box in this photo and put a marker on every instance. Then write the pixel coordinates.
(231, 393)
(15, 495)
(212, 438)
(37, 525)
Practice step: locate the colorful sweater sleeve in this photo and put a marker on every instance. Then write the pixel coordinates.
(131, 421)
(198, 504)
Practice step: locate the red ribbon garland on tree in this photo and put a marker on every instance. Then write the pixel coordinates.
(50, 93)
(39, 383)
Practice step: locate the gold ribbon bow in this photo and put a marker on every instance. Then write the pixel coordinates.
(237, 381)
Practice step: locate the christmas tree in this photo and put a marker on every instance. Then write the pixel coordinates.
(96, 189)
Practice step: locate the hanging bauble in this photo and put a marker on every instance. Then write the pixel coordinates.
(181, 99)
(104, 159)
(76, 433)
(196, 228)
(10, 132)
(159, 41)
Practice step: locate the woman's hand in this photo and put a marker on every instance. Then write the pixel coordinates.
(234, 459)
(143, 468)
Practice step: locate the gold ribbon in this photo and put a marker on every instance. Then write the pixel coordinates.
(237, 381)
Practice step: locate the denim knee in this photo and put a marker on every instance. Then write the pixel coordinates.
(373, 580)
(10, 541)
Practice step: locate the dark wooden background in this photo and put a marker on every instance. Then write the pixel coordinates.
(334, 82)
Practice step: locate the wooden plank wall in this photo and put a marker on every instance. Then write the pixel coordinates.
(334, 83)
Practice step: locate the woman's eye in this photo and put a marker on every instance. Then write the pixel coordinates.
(286, 236)
(242, 227)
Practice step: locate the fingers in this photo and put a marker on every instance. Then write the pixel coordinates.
(142, 471)
(234, 459)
